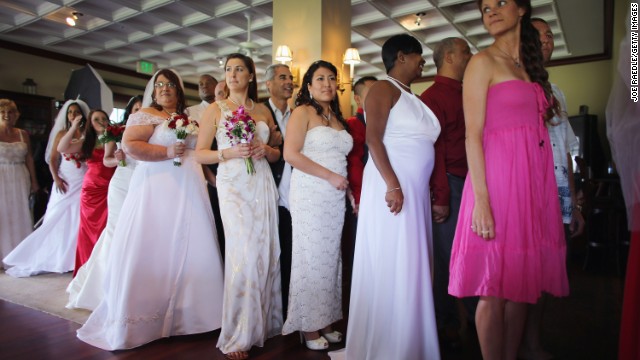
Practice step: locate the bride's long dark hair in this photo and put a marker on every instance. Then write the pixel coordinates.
(304, 96)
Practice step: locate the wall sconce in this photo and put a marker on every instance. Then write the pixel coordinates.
(284, 54)
(71, 20)
(29, 86)
(351, 57)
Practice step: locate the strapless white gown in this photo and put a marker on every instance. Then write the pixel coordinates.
(52, 246)
(164, 273)
(249, 209)
(317, 217)
(87, 287)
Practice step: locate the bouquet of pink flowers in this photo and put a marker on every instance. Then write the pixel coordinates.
(183, 127)
(241, 129)
(114, 132)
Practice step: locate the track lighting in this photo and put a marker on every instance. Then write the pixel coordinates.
(419, 18)
(71, 20)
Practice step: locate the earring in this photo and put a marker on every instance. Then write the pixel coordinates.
(311, 96)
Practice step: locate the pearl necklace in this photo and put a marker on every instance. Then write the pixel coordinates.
(516, 60)
(168, 113)
(400, 82)
(253, 104)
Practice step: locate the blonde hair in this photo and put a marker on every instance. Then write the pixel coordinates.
(6, 103)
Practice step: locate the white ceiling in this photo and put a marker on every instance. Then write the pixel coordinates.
(193, 36)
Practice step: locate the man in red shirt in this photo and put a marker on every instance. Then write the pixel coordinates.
(444, 98)
(356, 160)
(359, 154)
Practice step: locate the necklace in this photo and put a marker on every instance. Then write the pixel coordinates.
(168, 113)
(399, 82)
(326, 119)
(253, 104)
(516, 60)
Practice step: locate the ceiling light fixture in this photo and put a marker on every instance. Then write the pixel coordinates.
(71, 20)
(419, 18)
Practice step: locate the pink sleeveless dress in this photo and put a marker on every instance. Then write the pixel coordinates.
(527, 255)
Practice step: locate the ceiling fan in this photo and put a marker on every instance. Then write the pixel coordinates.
(249, 48)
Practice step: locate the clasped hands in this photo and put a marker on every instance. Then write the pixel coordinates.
(255, 150)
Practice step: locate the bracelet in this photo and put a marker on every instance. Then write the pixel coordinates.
(392, 190)
(220, 156)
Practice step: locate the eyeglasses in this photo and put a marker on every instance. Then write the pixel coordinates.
(161, 84)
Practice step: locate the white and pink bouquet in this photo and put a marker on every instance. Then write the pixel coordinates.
(183, 127)
(241, 129)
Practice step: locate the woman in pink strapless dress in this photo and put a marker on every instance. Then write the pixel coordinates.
(509, 245)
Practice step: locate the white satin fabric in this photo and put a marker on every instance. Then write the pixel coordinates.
(87, 287)
(52, 246)
(164, 273)
(391, 314)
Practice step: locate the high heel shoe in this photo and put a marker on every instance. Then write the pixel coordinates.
(332, 337)
(315, 344)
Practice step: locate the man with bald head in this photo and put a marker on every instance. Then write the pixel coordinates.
(206, 90)
(444, 98)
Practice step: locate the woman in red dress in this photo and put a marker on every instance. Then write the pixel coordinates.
(93, 198)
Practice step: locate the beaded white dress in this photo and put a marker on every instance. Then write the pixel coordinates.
(15, 218)
(317, 217)
(249, 208)
(87, 287)
(164, 273)
(52, 246)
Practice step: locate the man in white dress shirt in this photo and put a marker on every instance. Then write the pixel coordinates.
(280, 86)
(563, 144)
(206, 89)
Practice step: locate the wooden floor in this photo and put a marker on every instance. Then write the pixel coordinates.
(582, 326)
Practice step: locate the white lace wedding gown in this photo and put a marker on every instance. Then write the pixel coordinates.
(317, 217)
(15, 183)
(249, 208)
(87, 287)
(164, 273)
(391, 314)
(52, 246)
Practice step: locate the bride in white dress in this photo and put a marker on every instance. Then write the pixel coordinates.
(391, 314)
(316, 146)
(87, 287)
(252, 310)
(52, 246)
(164, 275)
